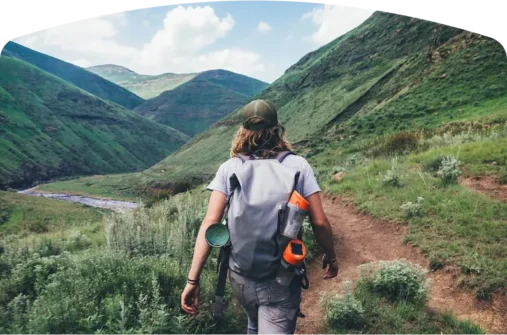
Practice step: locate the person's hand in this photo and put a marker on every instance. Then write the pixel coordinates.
(332, 270)
(190, 298)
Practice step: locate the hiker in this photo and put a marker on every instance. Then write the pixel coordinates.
(270, 306)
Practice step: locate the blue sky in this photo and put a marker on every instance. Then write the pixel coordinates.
(256, 38)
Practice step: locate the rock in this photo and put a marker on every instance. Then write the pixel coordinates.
(494, 163)
(339, 176)
(444, 75)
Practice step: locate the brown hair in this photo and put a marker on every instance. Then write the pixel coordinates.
(262, 142)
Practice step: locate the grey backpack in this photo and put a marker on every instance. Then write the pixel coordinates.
(260, 189)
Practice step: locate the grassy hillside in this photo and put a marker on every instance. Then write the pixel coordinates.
(21, 213)
(76, 75)
(145, 86)
(50, 128)
(195, 105)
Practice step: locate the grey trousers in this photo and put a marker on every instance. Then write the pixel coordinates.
(270, 307)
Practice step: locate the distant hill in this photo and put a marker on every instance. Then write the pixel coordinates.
(145, 86)
(75, 75)
(193, 106)
(50, 128)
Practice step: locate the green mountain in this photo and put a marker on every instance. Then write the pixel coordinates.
(390, 74)
(145, 86)
(193, 106)
(75, 75)
(50, 128)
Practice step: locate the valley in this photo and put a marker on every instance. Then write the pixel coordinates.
(404, 122)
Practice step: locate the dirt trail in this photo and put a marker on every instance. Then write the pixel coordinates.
(361, 239)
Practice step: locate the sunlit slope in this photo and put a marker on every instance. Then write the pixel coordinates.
(50, 128)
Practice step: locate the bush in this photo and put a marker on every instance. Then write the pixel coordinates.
(400, 143)
(391, 177)
(397, 280)
(411, 209)
(77, 241)
(344, 312)
(449, 170)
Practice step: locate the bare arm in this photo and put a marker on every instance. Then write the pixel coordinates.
(202, 249)
(323, 232)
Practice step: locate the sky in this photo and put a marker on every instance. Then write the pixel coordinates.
(260, 39)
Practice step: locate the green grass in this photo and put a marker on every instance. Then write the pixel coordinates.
(386, 317)
(75, 75)
(26, 214)
(481, 158)
(52, 129)
(458, 227)
(87, 186)
(389, 297)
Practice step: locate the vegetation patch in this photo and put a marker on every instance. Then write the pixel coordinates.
(389, 298)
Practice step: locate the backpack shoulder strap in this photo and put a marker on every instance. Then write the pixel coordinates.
(282, 154)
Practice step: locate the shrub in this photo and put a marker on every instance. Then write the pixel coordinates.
(77, 241)
(391, 177)
(344, 311)
(411, 209)
(399, 143)
(397, 280)
(157, 197)
(449, 170)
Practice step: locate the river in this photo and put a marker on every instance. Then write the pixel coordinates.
(114, 205)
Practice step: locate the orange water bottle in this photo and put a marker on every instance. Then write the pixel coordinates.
(293, 258)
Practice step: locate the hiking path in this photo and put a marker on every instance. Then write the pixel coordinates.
(360, 239)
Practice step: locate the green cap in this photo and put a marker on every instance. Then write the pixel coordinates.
(263, 110)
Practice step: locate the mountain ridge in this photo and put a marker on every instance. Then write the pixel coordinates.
(75, 75)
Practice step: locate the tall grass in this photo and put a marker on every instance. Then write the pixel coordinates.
(132, 284)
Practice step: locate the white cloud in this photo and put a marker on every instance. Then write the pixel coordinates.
(185, 31)
(181, 45)
(289, 37)
(263, 27)
(334, 21)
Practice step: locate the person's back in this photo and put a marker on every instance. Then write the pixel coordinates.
(270, 306)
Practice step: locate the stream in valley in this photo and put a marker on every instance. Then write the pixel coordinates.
(114, 205)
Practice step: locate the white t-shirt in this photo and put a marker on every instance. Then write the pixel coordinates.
(307, 183)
